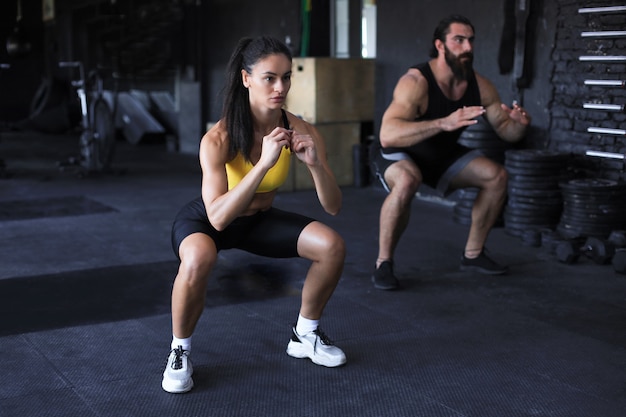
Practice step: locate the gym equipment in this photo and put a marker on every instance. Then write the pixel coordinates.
(592, 207)
(97, 138)
(534, 197)
(619, 261)
(618, 238)
(598, 250)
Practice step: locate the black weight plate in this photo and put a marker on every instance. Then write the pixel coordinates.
(537, 172)
(466, 221)
(546, 213)
(529, 221)
(594, 205)
(589, 224)
(520, 227)
(568, 231)
(521, 207)
(611, 198)
(468, 194)
(526, 192)
(610, 223)
(550, 165)
(556, 179)
(482, 144)
(542, 202)
(591, 213)
(531, 238)
(593, 202)
(464, 203)
(573, 231)
(463, 211)
(593, 186)
(538, 185)
(480, 134)
(535, 155)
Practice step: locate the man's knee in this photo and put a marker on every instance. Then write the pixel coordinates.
(500, 178)
(403, 179)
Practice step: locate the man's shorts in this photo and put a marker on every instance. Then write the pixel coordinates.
(437, 170)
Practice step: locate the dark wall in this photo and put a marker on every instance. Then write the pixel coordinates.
(19, 83)
(229, 20)
(202, 39)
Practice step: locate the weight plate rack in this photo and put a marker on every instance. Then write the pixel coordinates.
(534, 199)
(592, 207)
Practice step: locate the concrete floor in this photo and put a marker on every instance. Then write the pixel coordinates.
(86, 276)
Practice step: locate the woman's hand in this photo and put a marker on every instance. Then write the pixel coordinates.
(304, 148)
(273, 144)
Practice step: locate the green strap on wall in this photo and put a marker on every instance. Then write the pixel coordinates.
(306, 27)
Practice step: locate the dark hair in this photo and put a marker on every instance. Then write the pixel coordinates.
(236, 110)
(443, 28)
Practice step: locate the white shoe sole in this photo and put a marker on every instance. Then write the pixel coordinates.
(177, 387)
(297, 350)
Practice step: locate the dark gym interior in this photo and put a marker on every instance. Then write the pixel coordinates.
(87, 266)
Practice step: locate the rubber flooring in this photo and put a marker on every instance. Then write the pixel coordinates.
(86, 277)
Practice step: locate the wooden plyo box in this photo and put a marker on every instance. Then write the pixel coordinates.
(326, 90)
(339, 139)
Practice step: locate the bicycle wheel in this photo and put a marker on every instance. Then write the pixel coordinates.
(101, 149)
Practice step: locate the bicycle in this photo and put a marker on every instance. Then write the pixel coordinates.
(97, 138)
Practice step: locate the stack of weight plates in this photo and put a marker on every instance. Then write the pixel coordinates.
(481, 136)
(534, 196)
(592, 207)
(462, 212)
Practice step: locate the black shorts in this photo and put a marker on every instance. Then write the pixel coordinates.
(437, 170)
(273, 233)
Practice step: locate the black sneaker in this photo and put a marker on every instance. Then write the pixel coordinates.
(483, 264)
(383, 277)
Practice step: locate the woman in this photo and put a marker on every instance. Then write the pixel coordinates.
(244, 159)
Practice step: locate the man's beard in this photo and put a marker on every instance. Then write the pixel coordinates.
(460, 69)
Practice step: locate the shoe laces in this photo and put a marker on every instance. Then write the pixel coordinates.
(323, 338)
(177, 363)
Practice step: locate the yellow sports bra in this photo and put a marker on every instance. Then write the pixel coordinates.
(238, 167)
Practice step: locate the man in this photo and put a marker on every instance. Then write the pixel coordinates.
(432, 104)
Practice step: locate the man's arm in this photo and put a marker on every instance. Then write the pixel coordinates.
(510, 124)
(410, 100)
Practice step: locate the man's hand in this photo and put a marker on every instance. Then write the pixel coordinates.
(517, 113)
(465, 116)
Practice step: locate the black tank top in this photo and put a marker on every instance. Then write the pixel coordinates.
(441, 106)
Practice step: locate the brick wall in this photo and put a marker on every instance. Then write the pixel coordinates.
(570, 121)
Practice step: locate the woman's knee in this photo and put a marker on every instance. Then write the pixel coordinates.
(320, 242)
(197, 258)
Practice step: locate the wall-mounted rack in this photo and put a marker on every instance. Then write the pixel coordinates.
(609, 9)
(604, 34)
(603, 106)
(607, 131)
(603, 58)
(606, 83)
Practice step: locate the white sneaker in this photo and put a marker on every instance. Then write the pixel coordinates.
(177, 374)
(317, 347)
